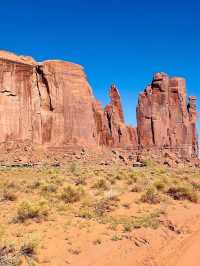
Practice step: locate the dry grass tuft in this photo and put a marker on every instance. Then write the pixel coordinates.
(30, 210)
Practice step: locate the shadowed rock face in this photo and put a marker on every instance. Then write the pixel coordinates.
(165, 119)
(51, 104)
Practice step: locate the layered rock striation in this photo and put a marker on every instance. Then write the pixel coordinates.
(51, 104)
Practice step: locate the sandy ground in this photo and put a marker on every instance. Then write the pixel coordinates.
(190, 252)
(70, 239)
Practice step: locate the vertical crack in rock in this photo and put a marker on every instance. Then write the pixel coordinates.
(119, 134)
(109, 118)
(42, 79)
(153, 133)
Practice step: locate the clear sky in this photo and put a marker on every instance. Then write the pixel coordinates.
(120, 41)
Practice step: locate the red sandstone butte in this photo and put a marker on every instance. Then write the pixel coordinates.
(52, 104)
(166, 120)
(48, 103)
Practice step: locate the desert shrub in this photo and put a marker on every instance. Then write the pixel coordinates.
(9, 195)
(148, 163)
(127, 227)
(112, 180)
(195, 185)
(48, 187)
(101, 184)
(79, 180)
(29, 210)
(103, 206)
(112, 195)
(53, 171)
(136, 188)
(9, 256)
(72, 194)
(86, 213)
(118, 176)
(12, 184)
(160, 184)
(97, 241)
(132, 178)
(10, 259)
(116, 238)
(74, 251)
(98, 209)
(150, 196)
(182, 191)
(150, 220)
(147, 220)
(36, 184)
(30, 246)
(74, 168)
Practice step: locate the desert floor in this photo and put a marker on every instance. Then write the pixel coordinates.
(86, 214)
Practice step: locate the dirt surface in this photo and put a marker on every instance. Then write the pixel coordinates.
(112, 215)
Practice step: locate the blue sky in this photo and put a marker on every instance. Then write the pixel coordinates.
(117, 41)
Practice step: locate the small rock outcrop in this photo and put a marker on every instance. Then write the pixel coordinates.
(165, 119)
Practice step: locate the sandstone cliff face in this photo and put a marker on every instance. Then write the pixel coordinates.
(48, 103)
(65, 105)
(15, 100)
(51, 104)
(111, 129)
(119, 134)
(165, 119)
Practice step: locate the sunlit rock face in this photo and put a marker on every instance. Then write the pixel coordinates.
(52, 104)
(48, 103)
(166, 120)
(111, 128)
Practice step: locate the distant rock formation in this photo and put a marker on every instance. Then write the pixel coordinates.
(165, 119)
(51, 104)
(111, 128)
(48, 103)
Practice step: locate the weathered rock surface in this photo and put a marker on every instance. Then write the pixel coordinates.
(51, 104)
(48, 104)
(165, 119)
(119, 134)
(111, 129)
